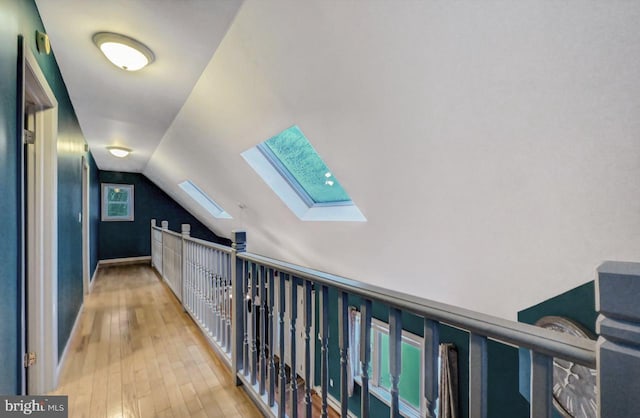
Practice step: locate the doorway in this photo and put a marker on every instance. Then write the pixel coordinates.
(39, 227)
(86, 275)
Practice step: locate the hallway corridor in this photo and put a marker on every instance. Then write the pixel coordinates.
(137, 354)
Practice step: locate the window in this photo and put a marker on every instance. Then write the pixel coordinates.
(410, 385)
(290, 165)
(117, 202)
(203, 200)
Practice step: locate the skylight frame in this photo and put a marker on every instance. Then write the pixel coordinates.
(204, 200)
(272, 171)
(293, 182)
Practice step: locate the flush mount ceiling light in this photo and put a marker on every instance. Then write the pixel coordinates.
(122, 51)
(119, 152)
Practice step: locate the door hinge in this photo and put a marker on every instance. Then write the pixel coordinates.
(29, 137)
(29, 359)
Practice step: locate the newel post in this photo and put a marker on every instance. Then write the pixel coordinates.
(186, 233)
(165, 227)
(618, 347)
(239, 245)
(153, 225)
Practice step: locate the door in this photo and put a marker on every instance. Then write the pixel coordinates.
(30, 241)
(38, 126)
(86, 274)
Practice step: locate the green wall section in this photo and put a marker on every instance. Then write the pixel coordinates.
(504, 397)
(577, 304)
(21, 17)
(133, 239)
(13, 21)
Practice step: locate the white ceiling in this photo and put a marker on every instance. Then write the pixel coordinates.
(133, 109)
(492, 146)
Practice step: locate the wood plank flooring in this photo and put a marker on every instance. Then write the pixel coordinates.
(137, 354)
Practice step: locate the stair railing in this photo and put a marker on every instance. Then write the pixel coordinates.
(259, 336)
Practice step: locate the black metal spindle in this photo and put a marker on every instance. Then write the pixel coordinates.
(283, 376)
(431, 342)
(254, 314)
(365, 355)
(395, 358)
(324, 350)
(293, 367)
(343, 343)
(272, 366)
(244, 304)
(308, 318)
(227, 299)
(263, 357)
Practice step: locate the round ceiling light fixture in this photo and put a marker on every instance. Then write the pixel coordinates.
(119, 152)
(124, 52)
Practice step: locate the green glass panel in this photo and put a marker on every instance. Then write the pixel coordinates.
(118, 209)
(304, 164)
(118, 195)
(409, 386)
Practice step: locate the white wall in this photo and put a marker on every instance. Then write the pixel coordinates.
(494, 147)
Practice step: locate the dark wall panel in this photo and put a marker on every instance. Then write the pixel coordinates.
(132, 239)
(10, 24)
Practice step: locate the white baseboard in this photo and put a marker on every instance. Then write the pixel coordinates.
(63, 358)
(126, 260)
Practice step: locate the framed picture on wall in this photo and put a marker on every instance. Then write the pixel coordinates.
(117, 202)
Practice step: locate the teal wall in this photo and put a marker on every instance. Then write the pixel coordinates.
(13, 21)
(133, 239)
(577, 304)
(504, 398)
(21, 17)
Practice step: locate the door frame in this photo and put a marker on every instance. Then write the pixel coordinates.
(41, 269)
(86, 230)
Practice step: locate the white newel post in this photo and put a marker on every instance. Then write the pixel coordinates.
(165, 227)
(618, 347)
(186, 233)
(153, 224)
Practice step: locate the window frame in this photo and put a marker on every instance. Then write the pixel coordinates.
(105, 217)
(272, 171)
(293, 182)
(205, 201)
(380, 392)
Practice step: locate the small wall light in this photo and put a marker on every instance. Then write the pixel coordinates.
(119, 152)
(124, 52)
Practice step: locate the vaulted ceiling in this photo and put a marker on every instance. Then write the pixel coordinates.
(493, 147)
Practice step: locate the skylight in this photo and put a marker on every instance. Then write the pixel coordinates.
(203, 200)
(290, 165)
(296, 158)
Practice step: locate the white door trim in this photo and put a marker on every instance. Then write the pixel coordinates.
(86, 262)
(42, 315)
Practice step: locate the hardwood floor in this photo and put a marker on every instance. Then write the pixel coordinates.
(137, 354)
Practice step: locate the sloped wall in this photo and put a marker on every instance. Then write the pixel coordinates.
(492, 146)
